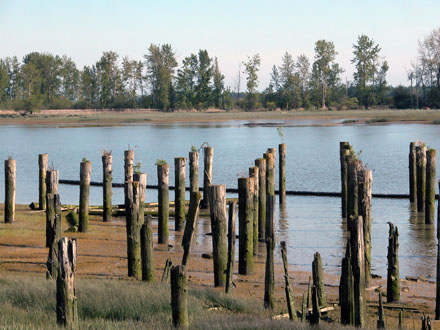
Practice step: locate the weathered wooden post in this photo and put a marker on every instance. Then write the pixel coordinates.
(431, 162)
(193, 171)
(245, 228)
(42, 165)
(179, 192)
(401, 321)
(304, 308)
(358, 268)
(147, 252)
(421, 176)
(231, 244)
(270, 172)
(426, 322)
(53, 235)
(163, 171)
(393, 280)
(133, 225)
(253, 173)
(344, 152)
(190, 224)
(107, 185)
(437, 285)
(208, 157)
(318, 279)
(269, 277)
(166, 270)
(141, 178)
(219, 225)
(261, 164)
(289, 295)
(128, 171)
(412, 173)
(10, 168)
(179, 304)
(67, 308)
(51, 188)
(282, 174)
(346, 294)
(316, 314)
(365, 179)
(84, 192)
(381, 320)
(352, 191)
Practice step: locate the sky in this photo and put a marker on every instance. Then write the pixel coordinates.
(229, 30)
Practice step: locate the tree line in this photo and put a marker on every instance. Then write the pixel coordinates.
(46, 81)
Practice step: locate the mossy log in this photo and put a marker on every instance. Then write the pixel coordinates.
(208, 158)
(10, 174)
(421, 177)
(219, 225)
(147, 251)
(53, 235)
(190, 224)
(107, 186)
(245, 230)
(231, 244)
(412, 172)
(282, 173)
(133, 226)
(42, 166)
(269, 277)
(393, 280)
(84, 193)
(288, 289)
(194, 171)
(163, 199)
(179, 192)
(318, 279)
(261, 164)
(67, 308)
(179, 297)
(431, 162)
(253, 173)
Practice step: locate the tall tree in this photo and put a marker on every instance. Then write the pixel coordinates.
(204, 77)
(70, 77)
(302, 67)
(109, 78)
(186, 82)
(251, 68)
(218, 86)
(325, 54)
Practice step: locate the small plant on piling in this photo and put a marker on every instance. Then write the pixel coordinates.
(107, 153)
(193, 148)
(137, 168)
(85, 160)
(281, 133)
(160, 162)
(10, 157)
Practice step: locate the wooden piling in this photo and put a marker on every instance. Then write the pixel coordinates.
(67, 309)
(51, 188)
(53, 233)
(42, 165)
(141, 178)
(128, 171)
(208, 157)
(318, 279)
(365, 179)
(304, 308)
(261, 164)
(253, 173)
(358, 268)
(269, 278)
(352, 191)
(245, 230)
(179, 192)
(163, 171)
(147, 251)
(282, 173)
(401, 320)
(412, 173)
(10, 174)
(84, 193)
(346, 294)
(393, 280)
(190, 224)
(133, 226)
(381, 321)
(219, 225)
(344, 153)
(437, 284)
(193, 171)
(166, 270)
(288, 290)
(231, 244)
(107, 186)
(421, 176)
(316, 315)
(270, 172)
(179, 304)
(431, 162)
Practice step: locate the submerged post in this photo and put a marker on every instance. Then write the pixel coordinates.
(208, 157)
(53, 235)
(10, 168)
(412, 173)
(421, 176)
(147, 251)
(282, 174)
(245, 230)
(269, 281)
(190, 224)
(67, 309)
(253, 173)
(179, 192)
(231, 244)
(318, 279)
(42, 165)
(133, 230)
(344, 152)
(107, 185)
(431, 162)
(218, 213)
(179, 304)
(193, 171)
(261, 164)
(393, 280)
(84, 192)
(163, 171)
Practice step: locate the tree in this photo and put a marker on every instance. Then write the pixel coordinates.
(289, 82)
(218, 86)
(251, 68)
(204, 77)
(303, 70)
(325, 54)
(108, 78)
(70, 77)
(4, 82)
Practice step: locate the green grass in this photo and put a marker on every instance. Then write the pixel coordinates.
(377, 120)
(28, 302)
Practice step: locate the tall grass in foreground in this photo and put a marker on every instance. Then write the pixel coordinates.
(29, 303)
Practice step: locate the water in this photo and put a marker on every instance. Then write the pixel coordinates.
(308, 224)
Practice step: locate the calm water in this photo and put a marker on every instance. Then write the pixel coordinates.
(308, 224)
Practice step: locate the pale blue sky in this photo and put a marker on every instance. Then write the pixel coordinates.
(230, 30)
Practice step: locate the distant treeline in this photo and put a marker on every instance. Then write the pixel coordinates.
(45, 81)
